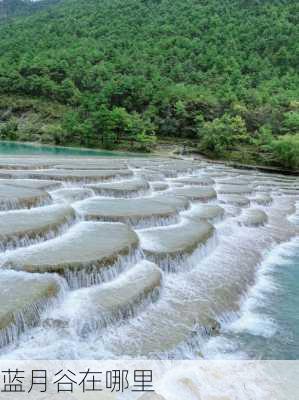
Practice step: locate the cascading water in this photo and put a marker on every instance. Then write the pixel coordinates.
(221, 287)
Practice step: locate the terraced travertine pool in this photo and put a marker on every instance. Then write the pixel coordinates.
(157, 258)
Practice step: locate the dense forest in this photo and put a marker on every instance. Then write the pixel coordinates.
(219, 75)
(13, 8)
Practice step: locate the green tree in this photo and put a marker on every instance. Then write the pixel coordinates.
(134, 70)
(291, 121)
(9, 130)
(285, 151)
(222, 134)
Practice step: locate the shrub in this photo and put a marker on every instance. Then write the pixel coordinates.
(55, 134)
(291, 121)
(222, 134)
(285, 150)
(9, 130)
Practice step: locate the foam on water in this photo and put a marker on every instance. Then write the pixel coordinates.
(95, 276)
(26, 241)
(260, 313)
(189, 349)
(183, 262)
(201, 280)
(31, 314)
(68, 318)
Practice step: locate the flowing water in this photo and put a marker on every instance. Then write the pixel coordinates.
(222, 249)
(268, 324)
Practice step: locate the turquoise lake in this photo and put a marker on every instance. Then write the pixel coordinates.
(14, 148)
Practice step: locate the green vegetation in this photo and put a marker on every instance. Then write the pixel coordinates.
(286, 150)
(221, 75)
(13, 8)
(9, 8)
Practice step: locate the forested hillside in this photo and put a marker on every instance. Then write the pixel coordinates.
(220, 74)
(12, 8)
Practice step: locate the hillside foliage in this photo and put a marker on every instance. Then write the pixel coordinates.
(13, 8)
(222, 75)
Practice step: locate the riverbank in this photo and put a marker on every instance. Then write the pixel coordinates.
(40, 122)
(161, 150)
(181, 150)
(263, 168)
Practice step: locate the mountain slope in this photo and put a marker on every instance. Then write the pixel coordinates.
(13, 8)
(223, 74)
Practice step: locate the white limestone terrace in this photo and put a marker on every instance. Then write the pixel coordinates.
(126, 188)
(23, 297)
(23, 227)
(165, 244)
(66, 175)
(130, 257)
(17, 197)
(85, 245)
(131, 211)
(100, 305)
(31, 183)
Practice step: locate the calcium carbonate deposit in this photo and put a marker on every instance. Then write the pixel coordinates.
(105, 258)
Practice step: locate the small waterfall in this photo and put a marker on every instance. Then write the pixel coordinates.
(30, 316)
(28, 204)
(140, 223)
(35, 237)
(203, 291)
(100, 274)
(185, 262)
(84, 327)
(106, 193)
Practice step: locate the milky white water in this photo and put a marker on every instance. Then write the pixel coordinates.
(233, 294)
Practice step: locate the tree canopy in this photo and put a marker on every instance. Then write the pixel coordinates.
(220, 74)
(12, 8)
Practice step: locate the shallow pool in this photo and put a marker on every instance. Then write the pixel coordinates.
(15, 148)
